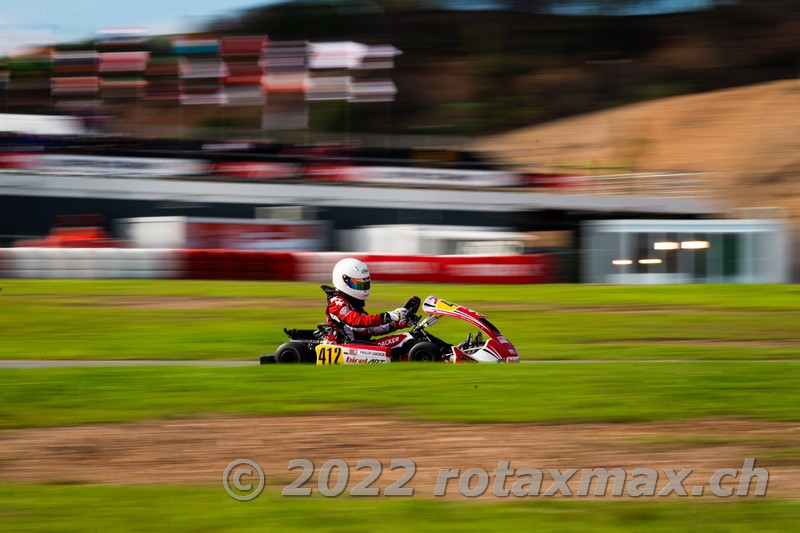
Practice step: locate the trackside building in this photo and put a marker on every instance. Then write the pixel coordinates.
(685, 251)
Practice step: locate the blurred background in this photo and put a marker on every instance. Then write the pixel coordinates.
(627, 141)
(622, 142)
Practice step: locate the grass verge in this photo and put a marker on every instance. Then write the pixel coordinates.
(182, 508)
(555, 392)
(164, 319)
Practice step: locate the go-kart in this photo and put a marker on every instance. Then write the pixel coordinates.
(313, 347)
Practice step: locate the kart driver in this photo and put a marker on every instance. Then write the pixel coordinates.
(345, 312)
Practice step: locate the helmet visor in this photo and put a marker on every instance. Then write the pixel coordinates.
(359, 284)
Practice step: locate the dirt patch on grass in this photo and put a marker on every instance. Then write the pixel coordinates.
(620, 308)
(626, 309)
(168, 302)
(146, 301)
(197, 451)
(165, 301)
(161, 301)
(706, 342)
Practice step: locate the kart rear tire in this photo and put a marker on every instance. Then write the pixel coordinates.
(293, 353)
(425, 352)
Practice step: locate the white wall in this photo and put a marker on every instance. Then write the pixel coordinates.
(90, 263)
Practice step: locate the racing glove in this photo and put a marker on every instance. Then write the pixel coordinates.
(400, 324)
(395, 316)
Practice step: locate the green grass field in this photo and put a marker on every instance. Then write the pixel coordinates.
(557, 392)
(56, 508)
(73, 319)
(651, 340)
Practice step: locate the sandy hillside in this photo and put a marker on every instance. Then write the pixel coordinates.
(748, 136)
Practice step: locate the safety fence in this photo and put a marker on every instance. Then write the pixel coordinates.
(254, 265)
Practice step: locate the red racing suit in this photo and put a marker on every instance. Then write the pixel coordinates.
(350, 322)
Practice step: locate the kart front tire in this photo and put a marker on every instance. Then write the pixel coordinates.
(425, 352)
(292, 353)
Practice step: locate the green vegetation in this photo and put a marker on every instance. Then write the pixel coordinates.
(78, 319)
(552, 392)
(183, 508)
(239, 320)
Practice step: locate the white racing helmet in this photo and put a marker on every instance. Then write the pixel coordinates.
(351, 277)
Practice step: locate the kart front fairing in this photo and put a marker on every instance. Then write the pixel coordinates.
(496, 349)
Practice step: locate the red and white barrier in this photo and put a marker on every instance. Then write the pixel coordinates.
(89, 263)
(256, 170)
(538, 268)
(256, 265)
(236, 264)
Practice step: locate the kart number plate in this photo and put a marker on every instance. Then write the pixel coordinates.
(329, 355)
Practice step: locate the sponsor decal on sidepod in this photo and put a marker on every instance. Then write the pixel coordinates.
(363, 360)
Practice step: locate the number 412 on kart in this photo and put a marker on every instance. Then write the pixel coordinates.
(329, 355)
